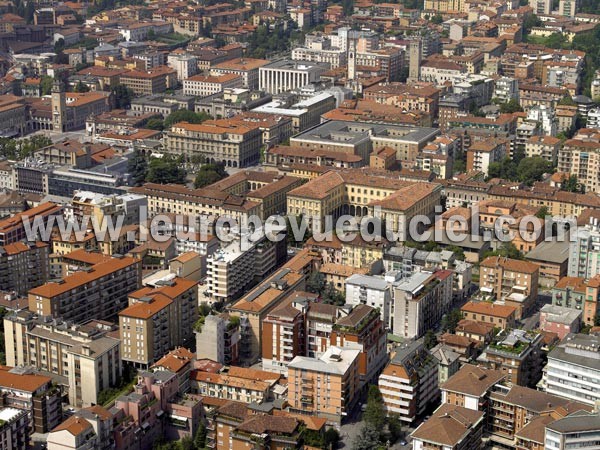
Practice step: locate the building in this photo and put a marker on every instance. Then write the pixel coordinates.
(510, 281)
(248, 68)
(448, 362)
(578, 294)
(573, 369)
(580, 157)
(450, 427)
(577, 430)
(326, 386)
(206, 85)
(153, 81)
(373, 291)
(470, 387)
(545, 146)
(420, 301)
(23, 266)
(409, 382)
(517, 353)
(85, 358)
(560, 320)
(99, 292)
(235, 145)
(286, 75)
(501, 316)
(283, 337)
(483, 153)
(584, 251)
(157, 320)
(23, 389)
(14, 429)
(219, 338)
(12, 229)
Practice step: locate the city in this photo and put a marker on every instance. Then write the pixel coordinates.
(299, 224)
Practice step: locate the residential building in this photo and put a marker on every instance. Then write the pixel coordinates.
(36, 394)
(577, 430)
(573, 371)
(584, 251)
(501, 316)
(506, 89)
(450, 427)
(420, 301)
(157, 320)
(578, 294)
(153, 81)
(219, 338)
(448, 362)
(285, 75)
(206, 85)
(510, 281)
(326, 386)
(560, 320)
(470, 387)
(24, 266)
(372, 291)
(408, 384)
(581, 158)
(99, 292)
(248, 68)
(14, 429)
(283, 337)
(85, 357)
(483, 153)
(12, 229)
(545, 146)
(517, 353)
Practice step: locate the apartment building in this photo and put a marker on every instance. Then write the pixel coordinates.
(334, 57)
(238, 384)
(500, 316)
(579, 430)
(470, 387)
(518, 354)
(327, 386)
(420, 301)
(23, 266)
(14, 429)
(12, 229)
(98, 292)
(483, 153)
(206, 85)
(286, 75)
(85, 356)
(584, 250)
(283, 337)
(153, 81)
(373, 291)
(582, 159)
(100, 206)
(572, 370)
(513, 282)
(542, 7)
(579, 294)
(219, 338)
(408, 384)
(23, 389)
(320, 319)
(235, 145)
(157, 320)
(450, 427)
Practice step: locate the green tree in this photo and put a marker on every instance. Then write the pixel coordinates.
(122, 96)
(368, 439)
(185, 115)
(209, 174)
(556, 40)
(507, 250)
(510, 107)
(542, 212)
(531, 22)
(506, 169)
(374, 413)
(395, 428)
(137, 166)
(46, 83)
(80, 87)
(532, 169)
(567, 100)
(200, 437)
(430, 339)
(450, 320)
(155, 124)
(316, 283)
(165, 170)
(571, 184)
(331, 438)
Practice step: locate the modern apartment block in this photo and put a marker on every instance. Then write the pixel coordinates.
(283, 337)
(157, 320)
(573, 369)
(409, 383)
(98, 292)
(579, 430)
(85, 356)
(371, 291)
(579, 294)
(14, 429)
(24, 266)
(36, 394)
(581, 157)
(584, 252)
(327, 386)
(219, 339)
(12, 229)
(513, 282)
(420, 301)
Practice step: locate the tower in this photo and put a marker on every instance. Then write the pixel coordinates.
(352, 61)
(414, 68)
(59, 107)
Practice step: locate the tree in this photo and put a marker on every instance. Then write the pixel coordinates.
(137, 166)
(532, 169)
(209, 174)
(46, 84)
(531, 22)
(331, 438)
(542, 212)
(316, 283)
(122, 96)
(80, 87)
(506, 169)
(200, 437)
(374, 413)
(450, 320)
(510, 107)
(155, 124)
(368, 439)
(571, 184)
(394, 428)
(507, 250)
(165, 170)
(567, 100)
(185, 115)
(430, 339)
(556, 40)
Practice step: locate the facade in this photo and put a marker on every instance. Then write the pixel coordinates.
(283, 338)
(204, 86)
(409, 382)
(285, 75)
(23, 266)
(470, 387)
(575, 431)
(579, 294)
(85, 356)
(501, 316)
(580, 158)
(14, 429)
(560, 320)
(584, 252)
(372, 291)
(219, 339)
(326, 386)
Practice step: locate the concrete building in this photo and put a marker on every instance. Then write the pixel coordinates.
(506, 89)
(285, 75)
(326, 386)
(580, 158)
(560, 320)
(219, 339)
(14, 429)
(206, 85)
(24, 266)
(185, 65)
(578, 294)
(372, 291)
(84, 357)
(576, 431)
(420, 301)
(248, 68)
(283, 337)
(409, 383)
(584, 252)
(448, 362)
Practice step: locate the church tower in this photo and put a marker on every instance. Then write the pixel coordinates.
(59, 107)
(351, 78)
(414, 60)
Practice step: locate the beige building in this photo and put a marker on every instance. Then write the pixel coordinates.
(99, 292)
(545, 146)
(85, 356)
(154, 81)
(582, 159)
(326, 386)
(157, 320)
(205, 85)
(482, 153)
(247, 68)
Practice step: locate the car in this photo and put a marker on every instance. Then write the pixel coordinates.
(363, 408)
(403, 442)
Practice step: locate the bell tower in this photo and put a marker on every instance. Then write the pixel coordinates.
(59, 107)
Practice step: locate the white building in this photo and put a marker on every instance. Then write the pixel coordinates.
(593, 118)
(285, 75)
(506, 89)
(541, 7)
(371, 291)
(546, 117)
(14, 429)
(334, 57)
(206, 85)
(184, 65)
(584, 252)
(579, 430)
